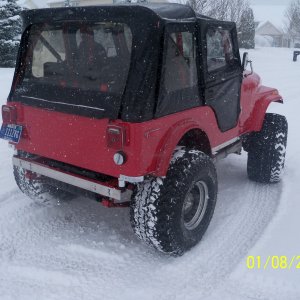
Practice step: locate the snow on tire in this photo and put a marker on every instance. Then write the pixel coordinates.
(266, 153)
(36, 189)
(172, 213)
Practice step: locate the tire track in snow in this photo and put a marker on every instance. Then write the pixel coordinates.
(7, 196)
(93, 248)
(225, 244)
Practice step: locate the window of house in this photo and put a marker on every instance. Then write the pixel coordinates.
(219, 48)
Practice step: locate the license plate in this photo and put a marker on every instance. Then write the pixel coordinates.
(11, 132)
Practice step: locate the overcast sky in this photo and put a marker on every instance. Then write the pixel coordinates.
(275, 11)
(270, 2)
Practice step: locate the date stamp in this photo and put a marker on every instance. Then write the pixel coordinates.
(274, 262)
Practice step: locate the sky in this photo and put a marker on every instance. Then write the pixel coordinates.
(270, 2)
(276, 14)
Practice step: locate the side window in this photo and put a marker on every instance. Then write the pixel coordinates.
(179, 82)
(179, 70)
(219, 48)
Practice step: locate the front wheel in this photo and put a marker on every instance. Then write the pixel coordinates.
(173, 213)
(266, 150)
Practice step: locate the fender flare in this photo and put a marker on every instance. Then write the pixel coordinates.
(260, 108)
(170, 141)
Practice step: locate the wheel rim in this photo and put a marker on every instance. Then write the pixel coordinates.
(194, 205)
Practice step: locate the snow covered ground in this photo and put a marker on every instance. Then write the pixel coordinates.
(81, 250)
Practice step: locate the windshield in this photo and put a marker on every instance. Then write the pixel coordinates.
(87, 56)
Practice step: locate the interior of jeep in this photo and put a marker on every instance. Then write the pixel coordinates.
(87, 56)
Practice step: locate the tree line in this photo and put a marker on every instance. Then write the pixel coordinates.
(238, 11)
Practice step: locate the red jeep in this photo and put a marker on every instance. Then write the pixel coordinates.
(132, 105)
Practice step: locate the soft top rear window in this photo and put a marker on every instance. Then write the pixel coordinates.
(87, 56)
(74, 67)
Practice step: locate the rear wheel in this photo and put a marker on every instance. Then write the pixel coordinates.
(266, 150)
(34, 187)
(173, 213)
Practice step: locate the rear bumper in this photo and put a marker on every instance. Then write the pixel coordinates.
(91, 185)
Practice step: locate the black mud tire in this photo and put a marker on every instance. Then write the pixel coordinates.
(158, 208)
(38, 190)
(266, 150)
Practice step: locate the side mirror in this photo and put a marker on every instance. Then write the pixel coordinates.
(245, 62)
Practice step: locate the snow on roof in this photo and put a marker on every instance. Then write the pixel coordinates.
(268, 28)
(31, 4)
(272, 13)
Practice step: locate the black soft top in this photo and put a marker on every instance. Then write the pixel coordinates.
(149, 12)
(147, 24)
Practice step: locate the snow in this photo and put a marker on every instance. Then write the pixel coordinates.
(263, 41)
(81, 250)
(3, 3)
(14, 18)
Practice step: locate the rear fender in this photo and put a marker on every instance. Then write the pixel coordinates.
(169, 142)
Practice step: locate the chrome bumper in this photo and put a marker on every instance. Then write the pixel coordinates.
(88, 184)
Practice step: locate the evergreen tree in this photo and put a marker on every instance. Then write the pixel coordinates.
(247, 30)
(10, 30)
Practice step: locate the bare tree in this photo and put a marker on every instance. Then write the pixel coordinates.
(293, 19)
(237, 8)
(227, 10)
(199, 5)
(247, 30)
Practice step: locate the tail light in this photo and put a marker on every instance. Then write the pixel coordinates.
(9, 114)
(116, 137)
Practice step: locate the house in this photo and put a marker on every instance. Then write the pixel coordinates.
(271, 21)
(61, 3)
(295, 41)
(276, 36)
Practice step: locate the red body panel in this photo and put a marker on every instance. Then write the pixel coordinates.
(82, 141)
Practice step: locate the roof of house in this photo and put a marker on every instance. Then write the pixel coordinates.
(268, 28)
